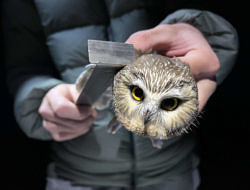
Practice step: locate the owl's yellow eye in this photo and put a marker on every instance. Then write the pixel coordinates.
(137, 93)
(169, 104)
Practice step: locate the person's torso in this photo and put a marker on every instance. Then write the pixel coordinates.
(99, 157)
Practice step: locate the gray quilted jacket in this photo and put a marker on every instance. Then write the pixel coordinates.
(51, 48)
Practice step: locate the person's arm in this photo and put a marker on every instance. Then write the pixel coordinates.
(34, 82)
(29, 70)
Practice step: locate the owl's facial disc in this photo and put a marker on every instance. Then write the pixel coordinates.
(155, 96)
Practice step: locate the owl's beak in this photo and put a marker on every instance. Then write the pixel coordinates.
(146, 120)
(148, 116)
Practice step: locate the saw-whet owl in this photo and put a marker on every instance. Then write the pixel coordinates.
(155, 96)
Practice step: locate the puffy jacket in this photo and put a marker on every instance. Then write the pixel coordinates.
(50, 48)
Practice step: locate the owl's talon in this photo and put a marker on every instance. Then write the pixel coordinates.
(113, 126)
(157, 143)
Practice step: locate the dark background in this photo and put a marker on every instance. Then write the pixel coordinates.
(223, 133)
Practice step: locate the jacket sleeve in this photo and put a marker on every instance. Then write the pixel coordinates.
(219, 33)
(30, 71)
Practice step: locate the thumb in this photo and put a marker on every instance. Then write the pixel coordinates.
(73, 91)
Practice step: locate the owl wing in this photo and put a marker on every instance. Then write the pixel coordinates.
(106, 59)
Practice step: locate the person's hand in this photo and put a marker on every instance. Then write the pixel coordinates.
(182, 41)
(62, 117)
(186, 43)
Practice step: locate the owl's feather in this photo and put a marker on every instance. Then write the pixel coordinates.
(160, 78)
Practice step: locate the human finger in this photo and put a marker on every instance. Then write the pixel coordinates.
(63, 107)
(62, 110)
(157, 38)
(203, 64)
(71, 124)
(54, 127)
(206, 88)
(61, 132)
(72, 135)
(45, 109)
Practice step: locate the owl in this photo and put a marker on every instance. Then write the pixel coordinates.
(155, 96)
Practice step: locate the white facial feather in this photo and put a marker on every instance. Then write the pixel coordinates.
(159, 78)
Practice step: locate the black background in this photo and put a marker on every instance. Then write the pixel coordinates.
(223, 133)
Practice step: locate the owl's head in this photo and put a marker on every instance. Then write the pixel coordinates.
(155, 96)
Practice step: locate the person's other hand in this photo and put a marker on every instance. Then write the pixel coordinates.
(62, 117)
(186, 43)
(182, 41)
